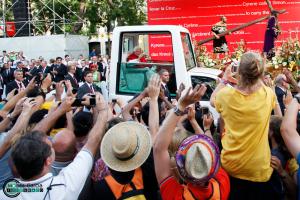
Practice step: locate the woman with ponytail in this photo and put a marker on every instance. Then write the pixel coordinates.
(246, 109)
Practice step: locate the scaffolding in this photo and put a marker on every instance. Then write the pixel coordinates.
(58, 22)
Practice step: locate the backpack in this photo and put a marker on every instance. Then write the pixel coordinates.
(134, 190)
(216, 195)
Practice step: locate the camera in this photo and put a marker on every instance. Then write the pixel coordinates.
(204, 110)
(92, 99)
(77, 103)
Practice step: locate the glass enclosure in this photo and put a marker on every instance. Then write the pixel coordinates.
(142, 55)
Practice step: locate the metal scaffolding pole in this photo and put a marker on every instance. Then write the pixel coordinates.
(54, 28)
(29, 18)
(3, 18)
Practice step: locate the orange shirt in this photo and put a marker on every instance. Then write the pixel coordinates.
(172, 190)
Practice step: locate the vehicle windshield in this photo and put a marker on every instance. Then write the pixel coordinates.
(142, 55)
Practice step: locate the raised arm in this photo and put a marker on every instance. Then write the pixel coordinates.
(165, 133)
(130, 105)
(13, 101)
(226, 78)
(193, 121)
(153, 90)
(47, 123)
(97, 132)
(29, 107)
(288, 128)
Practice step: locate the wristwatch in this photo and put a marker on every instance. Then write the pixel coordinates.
(178, 112)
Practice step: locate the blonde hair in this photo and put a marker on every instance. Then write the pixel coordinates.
(251, 68)
(179, 135)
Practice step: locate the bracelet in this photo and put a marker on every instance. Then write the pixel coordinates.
(206, 130)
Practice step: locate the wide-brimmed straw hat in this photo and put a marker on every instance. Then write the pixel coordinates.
(197, 159)
(126, 146)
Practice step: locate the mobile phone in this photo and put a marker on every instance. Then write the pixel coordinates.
(74, 91)
(234, 68)
(77, 103)
(16, 92)
(92, 101)
(92, 95)
(205, 110)
(197, 106)
(38, 79)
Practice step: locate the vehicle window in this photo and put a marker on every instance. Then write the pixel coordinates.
(142, 55)
(209, 82)
(188, 51)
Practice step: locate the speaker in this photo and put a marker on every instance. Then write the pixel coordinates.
(20, 10)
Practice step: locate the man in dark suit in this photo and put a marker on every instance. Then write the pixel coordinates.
(18, 83)
(23, 68)
(165, 77)
(71, 75)
(7, 73)
(60, 70)
(88, 87)
(281, 90)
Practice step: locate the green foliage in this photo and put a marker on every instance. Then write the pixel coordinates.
(94, 13)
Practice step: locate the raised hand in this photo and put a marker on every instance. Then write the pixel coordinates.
(28, 106)
(46, 83)
(66, 105)
(101, 104)
(191, 96)
(191, 113)
(153, 88)
(287, 99)
(207, 121)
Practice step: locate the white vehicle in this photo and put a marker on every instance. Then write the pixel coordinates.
(169, 47)
(209, 77)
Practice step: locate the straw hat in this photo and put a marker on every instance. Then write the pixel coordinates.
(198, 159)
(126, 146)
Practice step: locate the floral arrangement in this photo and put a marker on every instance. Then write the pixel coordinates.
(287, 55)
(210, 60)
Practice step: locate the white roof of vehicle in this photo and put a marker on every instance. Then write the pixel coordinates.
(203, 70)
(151, 28)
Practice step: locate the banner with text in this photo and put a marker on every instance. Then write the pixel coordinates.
(199, 16)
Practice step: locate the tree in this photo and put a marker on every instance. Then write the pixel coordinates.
(83, 16)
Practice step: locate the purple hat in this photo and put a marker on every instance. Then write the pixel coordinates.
(197, 159)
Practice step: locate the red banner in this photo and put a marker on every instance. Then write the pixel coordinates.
(198, 17)
(10, 29)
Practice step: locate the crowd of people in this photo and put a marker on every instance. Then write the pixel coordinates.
(61, 133)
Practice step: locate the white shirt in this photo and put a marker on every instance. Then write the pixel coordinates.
(73, 177)
(90, 84)
(19, 82)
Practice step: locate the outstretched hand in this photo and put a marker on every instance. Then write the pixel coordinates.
(191, 96)
(153, 88)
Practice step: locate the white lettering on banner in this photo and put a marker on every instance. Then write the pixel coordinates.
(157, 45)
(190, 25)
(161, 54)
(154, 9)
(246, 4)
(195, 34)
